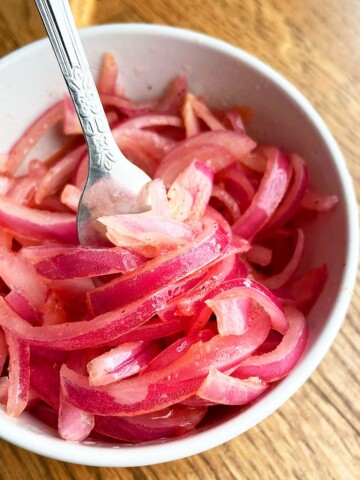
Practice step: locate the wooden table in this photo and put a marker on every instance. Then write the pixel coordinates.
(315, 44)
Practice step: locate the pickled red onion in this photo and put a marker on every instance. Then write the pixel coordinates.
(190, 308)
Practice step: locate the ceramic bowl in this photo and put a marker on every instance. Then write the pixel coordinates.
(149, 57)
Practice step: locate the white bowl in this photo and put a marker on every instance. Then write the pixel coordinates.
(149, 56)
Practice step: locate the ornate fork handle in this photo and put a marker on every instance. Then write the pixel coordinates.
(70, 54)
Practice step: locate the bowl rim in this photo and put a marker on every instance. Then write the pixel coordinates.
(153, 453)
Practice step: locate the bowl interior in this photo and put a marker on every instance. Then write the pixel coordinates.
(149, 57)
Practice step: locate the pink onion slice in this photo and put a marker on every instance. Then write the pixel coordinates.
(161, 271)
(146, 233)
(294, 196)
(71, 124)
(173, 96)
(4, 389)
(74, 424)
(169, 422)
(177, 349)
(190, 119)
(190, 192)
(154, 329)
(243, 287)
(188, 304)
(216, 149)
(45, 381)
(59, 174)
(63, 262)
(70, 196)
(97, 331)
(3, 350)
(279, 279)
(227, 200)
(227, 390)
(30, 138)
(259, 255)
(303, 291)
(203, 112)
(19, 374)
(24, 188)
(37, 224)
(235, 120)
(121, 362)
(108, 75)
(232, 312)
(276, 364)
(171, 384)
(21, 277)
(20, 304)
(152, 120)
(270, 193)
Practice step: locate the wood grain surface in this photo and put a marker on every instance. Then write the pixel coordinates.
(316, 45)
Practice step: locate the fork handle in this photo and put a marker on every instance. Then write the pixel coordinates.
(65, 41)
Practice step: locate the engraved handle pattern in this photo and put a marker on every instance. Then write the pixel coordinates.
(64, 38)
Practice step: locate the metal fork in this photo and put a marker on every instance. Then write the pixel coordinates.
(113, 183)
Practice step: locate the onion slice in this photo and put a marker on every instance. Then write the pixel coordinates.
(227, 390)
(277, 363)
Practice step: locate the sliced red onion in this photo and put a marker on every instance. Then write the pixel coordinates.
(59, 174)
(303, 291)
(190, 192)
(232, 312)
(216, 149)
(71, 123)
(279, 279)
(294, 196)
(227, 390)
(4, 389)
(268, 196)
(173, 96)
(177, 349)
(153, 330)
(25, 187)
(169, 422)
(74, 424)
(238, 183)
(151, 120)
(228, 267)
(236, 122)
(6, 183)
(31, 137)
(97, 331)
(243, 287)
(191, 121)
(45, 381)
(20, 304)
(159, 357)
(259, 255)
(70, 196)
(108, 75)
(21, 277)
(121, 362)
(61, 262)
(227, 200)
(159, 272)
(3, 350)
(279, 362)
(164, 387)
(204, 113)
(37, 224)
(19, 374)
(146, 233)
